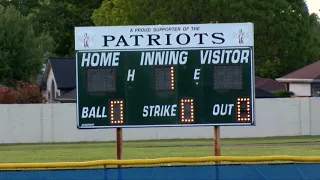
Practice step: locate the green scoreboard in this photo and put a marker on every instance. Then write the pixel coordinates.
(165, 75)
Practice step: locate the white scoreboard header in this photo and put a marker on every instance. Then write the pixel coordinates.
(164, 36)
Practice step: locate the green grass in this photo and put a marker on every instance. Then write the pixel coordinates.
(154, 149)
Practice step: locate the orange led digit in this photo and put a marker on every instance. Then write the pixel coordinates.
(116, 112)
(172, 77)
(243, 109)
(187, 111)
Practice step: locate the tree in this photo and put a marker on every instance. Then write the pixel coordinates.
(58, 19)
(286, 36)
(21, 51)
(140, 12)
(23, 6)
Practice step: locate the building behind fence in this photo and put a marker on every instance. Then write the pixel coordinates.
(22, 123)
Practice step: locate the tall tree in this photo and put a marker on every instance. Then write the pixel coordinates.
(23, 6)
(58, 18)
(285, 34)
(21, 51)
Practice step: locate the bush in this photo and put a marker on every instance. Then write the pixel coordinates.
(24, 93)
(8, 97)
(283, 93)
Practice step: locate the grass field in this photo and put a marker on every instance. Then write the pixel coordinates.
(160, 148)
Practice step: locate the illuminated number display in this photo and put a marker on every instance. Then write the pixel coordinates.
(187, 110)
(243, 109)
(116, 112)
(227, 77)
(101, 80)
(164, 78)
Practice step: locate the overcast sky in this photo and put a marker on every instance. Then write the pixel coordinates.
(313, 6)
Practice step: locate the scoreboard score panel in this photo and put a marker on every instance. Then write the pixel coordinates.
(185, 83)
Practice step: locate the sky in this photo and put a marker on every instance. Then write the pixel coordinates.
(313, 6)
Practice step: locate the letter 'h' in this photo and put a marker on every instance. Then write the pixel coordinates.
(131, 75)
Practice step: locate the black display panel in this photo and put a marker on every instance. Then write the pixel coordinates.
(227, 77)
(101, 80)
(164, 78)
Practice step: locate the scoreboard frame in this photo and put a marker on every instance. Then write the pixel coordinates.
(98, 45)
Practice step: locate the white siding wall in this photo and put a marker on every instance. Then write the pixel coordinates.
(50, 78)
(300, 89)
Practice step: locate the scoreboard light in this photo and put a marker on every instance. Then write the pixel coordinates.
(243, 109)
(187, 110)
(172, 77)
(116, 112)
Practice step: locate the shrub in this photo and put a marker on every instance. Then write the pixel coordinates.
(8, 97)
(283, 93)
(23, 93)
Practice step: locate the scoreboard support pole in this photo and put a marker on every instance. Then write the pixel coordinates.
(216, 140)
(119, 144)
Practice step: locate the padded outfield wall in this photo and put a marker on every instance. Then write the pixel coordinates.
(221, 172)
(201, 168)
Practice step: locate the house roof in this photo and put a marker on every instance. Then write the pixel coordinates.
(307, 74)
(260, 93)
(64, 70)
(268, 84)
(258, 80)
(70, 96)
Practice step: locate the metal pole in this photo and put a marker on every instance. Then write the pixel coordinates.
(119, 144)
(216, 139)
